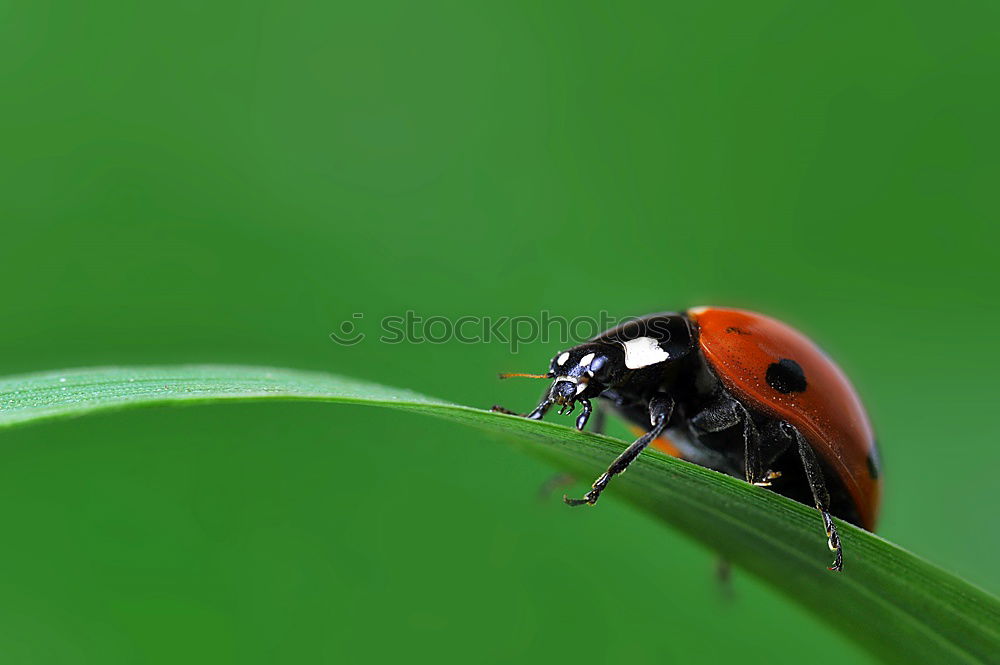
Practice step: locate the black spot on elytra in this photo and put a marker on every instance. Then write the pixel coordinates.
(786, 376)
(874, 464)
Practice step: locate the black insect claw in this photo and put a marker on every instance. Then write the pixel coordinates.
(838, 561)
(574, 502)
(590, 498)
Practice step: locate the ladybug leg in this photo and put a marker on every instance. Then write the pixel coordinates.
(724, 577)
(821, 496)
(563, 479)
(613, 397)
(727, 413)
(774, 441)
(600, 419)
(597, 427)
(751, 450)
(554, 482)
(536, 414)
(581, 420)
(539, 411)
(660, 408)
(718, 416)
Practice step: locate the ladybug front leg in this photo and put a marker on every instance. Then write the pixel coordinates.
(536, 414)
(597, 427)
(821, 496)
(660, 408)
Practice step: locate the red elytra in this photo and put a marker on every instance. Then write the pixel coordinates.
(740, 346)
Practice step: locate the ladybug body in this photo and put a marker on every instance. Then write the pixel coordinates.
(735, 391)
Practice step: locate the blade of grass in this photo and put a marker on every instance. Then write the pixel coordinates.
(899, 606)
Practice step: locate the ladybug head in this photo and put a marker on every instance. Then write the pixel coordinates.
(584, 371)
(580, 374)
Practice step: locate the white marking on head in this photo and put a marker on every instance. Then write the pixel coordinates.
(571, 379)
(563, 357)
(584, 361)
(580, 387)
(643, 352)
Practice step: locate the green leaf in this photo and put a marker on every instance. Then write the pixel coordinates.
(901, 607)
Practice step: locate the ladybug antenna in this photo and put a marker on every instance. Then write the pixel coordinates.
(530, 376)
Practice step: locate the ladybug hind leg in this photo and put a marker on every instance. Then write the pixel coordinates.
(814, 474)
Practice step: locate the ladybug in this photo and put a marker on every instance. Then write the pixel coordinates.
(736, 391)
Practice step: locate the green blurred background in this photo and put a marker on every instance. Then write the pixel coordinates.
(229, 181)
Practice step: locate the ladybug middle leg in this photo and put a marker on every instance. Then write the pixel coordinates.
(600, 419)
(727, 413)
(660, 408)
